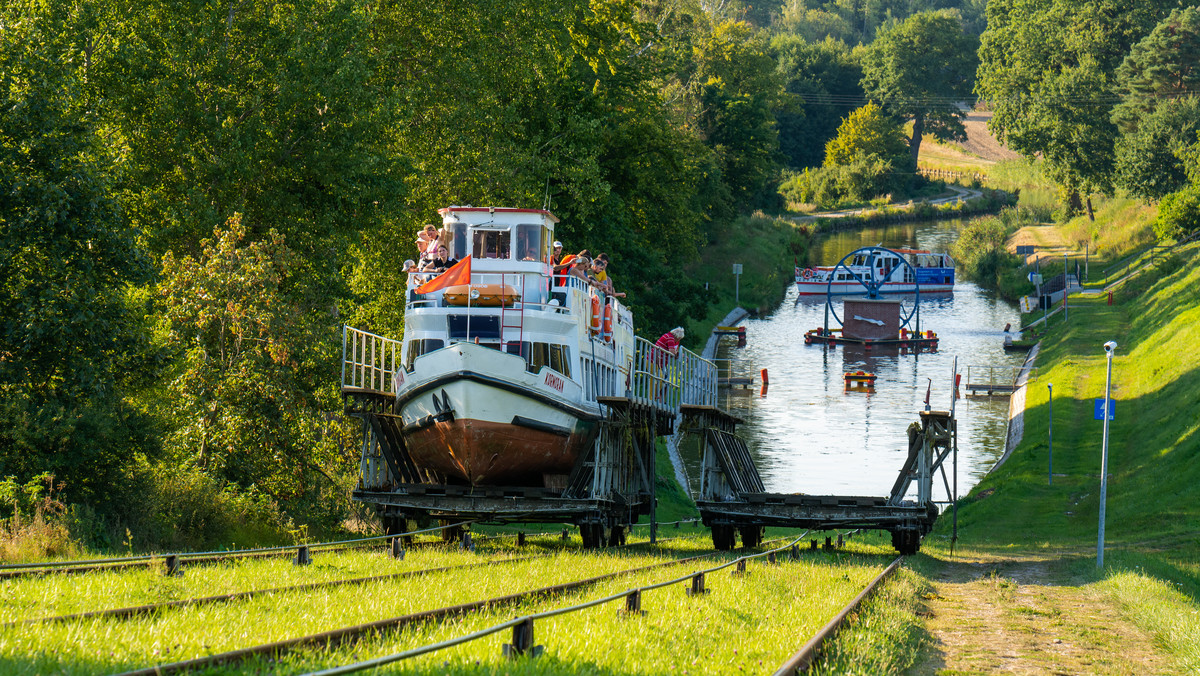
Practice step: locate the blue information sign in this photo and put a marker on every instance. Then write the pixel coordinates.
(1112, 409)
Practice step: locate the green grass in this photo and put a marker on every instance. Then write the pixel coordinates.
(752, 622)
(1153, 551)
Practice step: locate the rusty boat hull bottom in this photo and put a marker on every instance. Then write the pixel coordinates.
(486, 453)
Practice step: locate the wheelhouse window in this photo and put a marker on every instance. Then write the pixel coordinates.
(418, 347)
(491, 244)
(456, 239)
(530, 244)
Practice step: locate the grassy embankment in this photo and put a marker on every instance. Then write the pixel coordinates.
(749, 623)
(1152, 560)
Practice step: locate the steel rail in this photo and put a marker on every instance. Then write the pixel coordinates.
(334, 637)
(131, 611)
(807, 654)
(226, 554)
(128, 562)
(434, 647)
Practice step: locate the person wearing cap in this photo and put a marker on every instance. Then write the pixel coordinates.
(556, 260)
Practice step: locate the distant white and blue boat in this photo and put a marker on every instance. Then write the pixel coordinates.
(895, 271)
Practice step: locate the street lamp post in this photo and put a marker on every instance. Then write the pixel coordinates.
(1109, 348)
(1050, 435)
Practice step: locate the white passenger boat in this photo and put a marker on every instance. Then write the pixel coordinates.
(894, 271)
(502, 370)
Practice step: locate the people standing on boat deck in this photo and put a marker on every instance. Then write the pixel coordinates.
(600, 268)
(424, 238)
(669, 341)
(442, 262)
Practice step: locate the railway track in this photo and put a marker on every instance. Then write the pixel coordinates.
(338, 636)
(146, 609)
(523, 627)
(77, 566)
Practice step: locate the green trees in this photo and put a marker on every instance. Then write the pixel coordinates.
(867, 133)
(71, 341)
(869, 157)
(1159, 112)
(1046, 70)
(824, 78)
(922, 69)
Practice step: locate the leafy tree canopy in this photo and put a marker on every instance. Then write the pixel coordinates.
(1163, 66)
(1047, 69)
(922, 69)
(824, 77)
(868, 133)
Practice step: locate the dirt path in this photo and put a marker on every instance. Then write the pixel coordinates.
(1024, 615)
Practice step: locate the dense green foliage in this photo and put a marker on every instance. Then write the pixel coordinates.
(1047, 70)
(922, 69)
(980, 253)
(197, 195)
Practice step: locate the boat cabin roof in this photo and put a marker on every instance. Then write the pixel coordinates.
(499, 233)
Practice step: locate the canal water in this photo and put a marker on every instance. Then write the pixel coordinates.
(809, 435)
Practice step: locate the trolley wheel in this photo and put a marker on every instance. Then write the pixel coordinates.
(751, 535)
(451, 533)
(723, 537)
(907, 542)
(592, 535)
(394, 525)
(616, 537)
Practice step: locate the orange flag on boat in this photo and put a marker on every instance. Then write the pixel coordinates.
(459, 273)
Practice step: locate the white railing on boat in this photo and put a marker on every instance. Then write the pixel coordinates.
(369, 361)
(663, 380)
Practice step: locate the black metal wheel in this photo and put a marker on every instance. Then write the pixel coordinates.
(870, 286)
(906, 542)
(751, 536)
(451, 533)
(723, 537)
(616, 536)
(592, 534)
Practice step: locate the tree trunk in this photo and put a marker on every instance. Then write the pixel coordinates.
(1091, 216)
(915, 143)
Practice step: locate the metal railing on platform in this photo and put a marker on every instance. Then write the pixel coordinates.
(369, 361)
(663, 380)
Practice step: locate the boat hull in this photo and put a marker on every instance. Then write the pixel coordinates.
(810, 288)
(479, 417)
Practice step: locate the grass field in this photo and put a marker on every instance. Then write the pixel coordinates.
(746, 623)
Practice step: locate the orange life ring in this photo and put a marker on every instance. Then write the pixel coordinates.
(595, 313)
(606, 330)
(808, 273)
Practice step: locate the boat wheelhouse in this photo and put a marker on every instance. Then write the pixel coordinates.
(896, 271)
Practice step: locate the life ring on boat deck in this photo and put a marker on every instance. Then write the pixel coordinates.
(808, 273)
(606, 331)
(595, 313)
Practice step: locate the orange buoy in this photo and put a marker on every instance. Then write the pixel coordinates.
(764, 377)
(595, 313)
(606, 331)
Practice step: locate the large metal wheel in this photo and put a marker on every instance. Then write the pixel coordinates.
(751, 536)
(870, 286)
(592, 535)
(616, 537)
(907, 542)
(723, 537)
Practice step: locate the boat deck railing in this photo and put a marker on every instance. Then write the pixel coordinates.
(370, 361)
(665, 381)
(658, 380)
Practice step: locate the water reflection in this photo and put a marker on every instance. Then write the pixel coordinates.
(809, 434)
